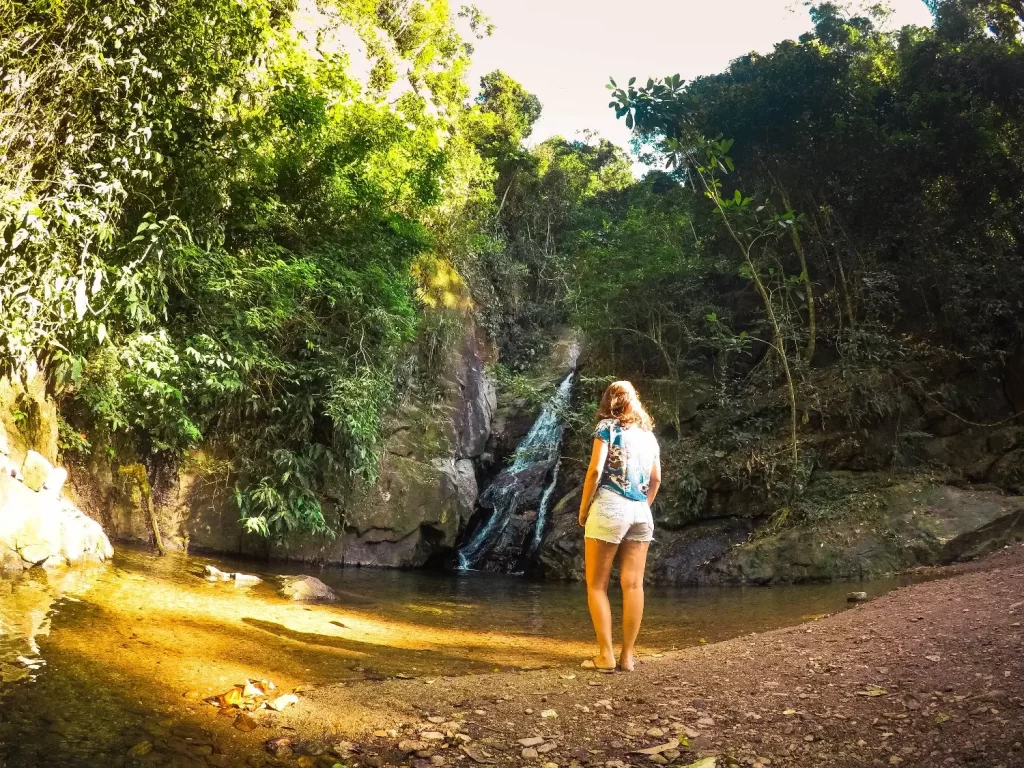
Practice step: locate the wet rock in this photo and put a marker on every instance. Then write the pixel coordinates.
(307, 589)
(280, 747)
(857, 597)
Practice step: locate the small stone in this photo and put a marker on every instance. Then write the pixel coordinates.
(548, 713)
(550, 765)
(409, 745)
(808, 737)
(463, 738)
(706, 722)
(655, 732)
(533, 741)
(857, 597)
(549, 747)
(306, 762)
(437, 760)
(435, 720)
(659, 759)
(432, 736)
(529, 753)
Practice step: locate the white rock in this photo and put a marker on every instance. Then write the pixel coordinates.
(55, 482)
(35, 471)
(215, 574)
(245, 579)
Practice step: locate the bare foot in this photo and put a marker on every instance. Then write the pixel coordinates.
(626, 662)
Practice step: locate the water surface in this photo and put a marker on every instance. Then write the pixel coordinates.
(95, 659)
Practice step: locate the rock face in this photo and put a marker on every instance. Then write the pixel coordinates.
(910, 524)
(421, 503)
(39, 529)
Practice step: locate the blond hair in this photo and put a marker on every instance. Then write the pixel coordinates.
(621, 403)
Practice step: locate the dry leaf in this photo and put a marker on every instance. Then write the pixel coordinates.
(670, 744)
(281, 702)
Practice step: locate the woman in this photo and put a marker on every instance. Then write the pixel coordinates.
(622, 481)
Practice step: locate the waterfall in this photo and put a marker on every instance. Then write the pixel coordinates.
(536, 458)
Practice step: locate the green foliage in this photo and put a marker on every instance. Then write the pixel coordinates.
(208, 227)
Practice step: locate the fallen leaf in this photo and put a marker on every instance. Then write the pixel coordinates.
(478, 755)
(873, 690)
(245, 723)
(670, 744)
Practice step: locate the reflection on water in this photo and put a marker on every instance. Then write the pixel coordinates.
(94, 660)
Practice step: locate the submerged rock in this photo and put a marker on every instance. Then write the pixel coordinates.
(857, 597)
(212, 573)
(307, 588)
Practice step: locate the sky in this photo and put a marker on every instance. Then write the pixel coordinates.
(564, 51)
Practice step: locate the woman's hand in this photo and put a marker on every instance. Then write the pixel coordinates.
(598, 454)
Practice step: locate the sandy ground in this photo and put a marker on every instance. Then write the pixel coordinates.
(929, 675)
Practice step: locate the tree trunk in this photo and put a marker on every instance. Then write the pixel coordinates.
(805, 276)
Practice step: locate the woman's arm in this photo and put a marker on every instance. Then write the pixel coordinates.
(598, 454)
(652, 490)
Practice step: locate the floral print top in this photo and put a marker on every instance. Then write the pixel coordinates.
(632, 452)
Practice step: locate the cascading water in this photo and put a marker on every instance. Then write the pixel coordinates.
(535, 464)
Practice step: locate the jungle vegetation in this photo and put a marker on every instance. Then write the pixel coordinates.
(221, 226)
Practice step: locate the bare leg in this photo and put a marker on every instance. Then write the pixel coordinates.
(599, 558)
(632, 562)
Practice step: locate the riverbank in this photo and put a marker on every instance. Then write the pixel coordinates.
(931, 674)
(458, 672)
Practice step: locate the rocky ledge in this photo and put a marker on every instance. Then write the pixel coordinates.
(37, 526)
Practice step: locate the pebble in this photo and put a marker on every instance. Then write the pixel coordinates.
(533, 741)
(432, 736)
(655, 732)
(529, 753)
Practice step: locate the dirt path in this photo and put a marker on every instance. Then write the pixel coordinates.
(929, 675)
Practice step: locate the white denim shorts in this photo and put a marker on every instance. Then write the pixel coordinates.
(614, 518)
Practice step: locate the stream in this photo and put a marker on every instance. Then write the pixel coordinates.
(96, 658)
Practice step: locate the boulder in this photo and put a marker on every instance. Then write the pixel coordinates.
(41, 530)
(909, 524)
(307, 589)
(36, 470)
